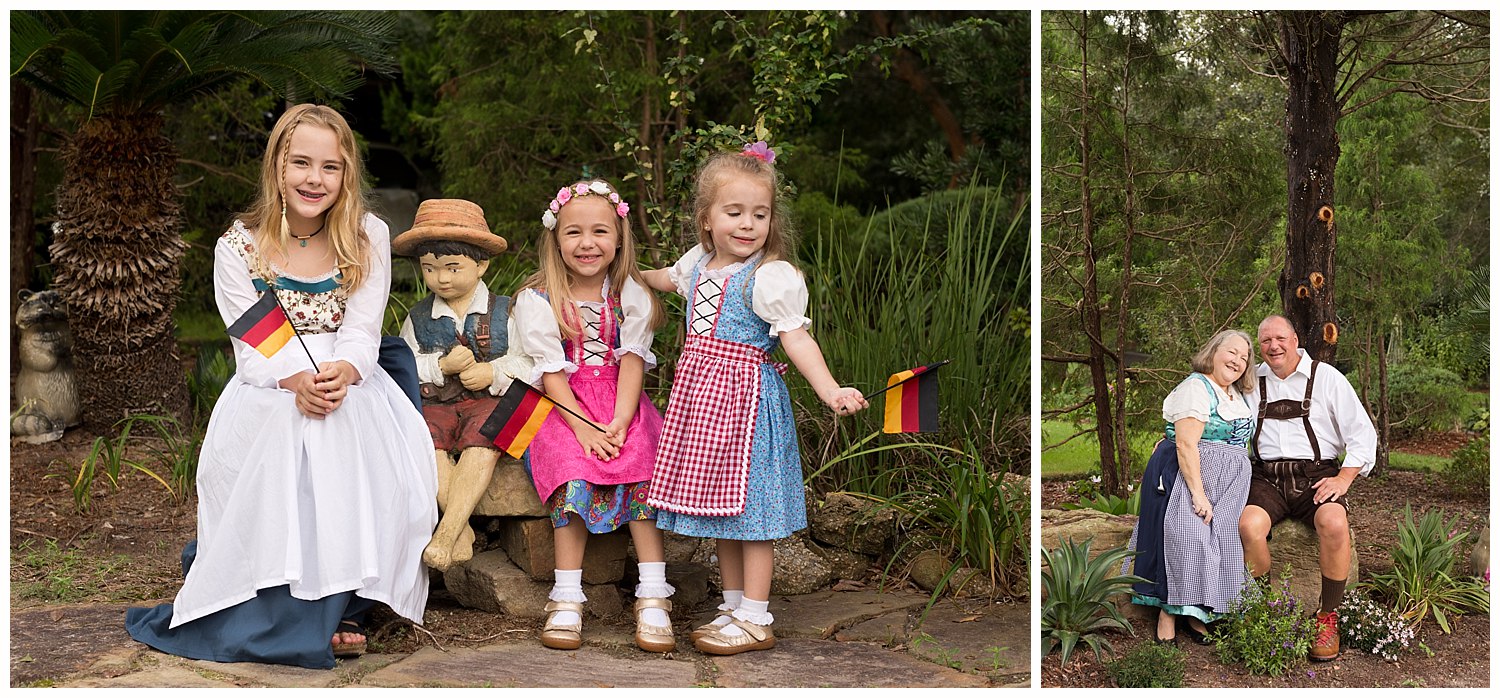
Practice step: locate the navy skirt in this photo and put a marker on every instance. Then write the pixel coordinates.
(272, 628)
(1156, 489)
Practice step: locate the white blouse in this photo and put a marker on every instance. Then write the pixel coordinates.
(1191, 399)
(779, 296)
(538, 335)
(358, 337)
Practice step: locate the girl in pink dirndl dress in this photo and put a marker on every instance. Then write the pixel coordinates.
(588, 324)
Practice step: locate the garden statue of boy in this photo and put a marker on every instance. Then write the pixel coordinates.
(460, 335)
(1308, 414)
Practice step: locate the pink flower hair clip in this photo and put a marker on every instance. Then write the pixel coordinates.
(566, 194)
(760, 151)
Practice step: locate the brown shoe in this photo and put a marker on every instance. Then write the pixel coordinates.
(1326, 646)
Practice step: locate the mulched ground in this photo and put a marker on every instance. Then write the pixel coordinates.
(1377, 505)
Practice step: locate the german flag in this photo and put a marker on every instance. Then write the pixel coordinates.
(264, 326)
(912, 402)
(517, 418)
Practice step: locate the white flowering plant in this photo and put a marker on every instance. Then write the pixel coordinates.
(1368, 626)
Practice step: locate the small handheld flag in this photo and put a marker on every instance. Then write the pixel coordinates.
(519, 416)
(264, 326)
(913, 401)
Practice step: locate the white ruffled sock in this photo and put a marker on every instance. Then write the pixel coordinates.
(568, 587)
(732, 599)
(750, 611)
(653, 585)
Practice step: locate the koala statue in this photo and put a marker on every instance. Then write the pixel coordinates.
(46, 394)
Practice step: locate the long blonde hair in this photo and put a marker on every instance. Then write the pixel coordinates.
(555, 279)
(712, 175)
(344, 221)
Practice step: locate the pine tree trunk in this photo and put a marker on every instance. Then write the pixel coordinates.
(116, 251)
(1310, 43)
(24, 127)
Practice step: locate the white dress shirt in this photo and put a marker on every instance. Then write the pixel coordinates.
(1338, 417)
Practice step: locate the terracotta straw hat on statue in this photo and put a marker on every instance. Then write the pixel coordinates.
(448, 219)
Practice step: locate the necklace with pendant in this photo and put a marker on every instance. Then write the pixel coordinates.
(302, 239)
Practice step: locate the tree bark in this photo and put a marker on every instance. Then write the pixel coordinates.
(25, 124)
(1109, 470)
(1310, 46)
(1383, 423)
(116, 251)
(908, 69)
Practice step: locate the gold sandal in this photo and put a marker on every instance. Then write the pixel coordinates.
(653, 638)
(752, 637)
(710, 626)
(563, 637)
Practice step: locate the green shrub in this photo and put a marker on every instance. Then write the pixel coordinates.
(1149, 666)
(1421, 581)
(211, 372)
(1365, 625)
(1078, 605)
(1267, 630)
(1110, 504)
(1425, 397)
(1470, 470)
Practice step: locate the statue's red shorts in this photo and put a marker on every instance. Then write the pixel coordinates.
(455, 426)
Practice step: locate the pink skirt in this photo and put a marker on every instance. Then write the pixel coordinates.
(556, 456)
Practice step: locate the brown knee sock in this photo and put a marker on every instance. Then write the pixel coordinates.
(1333, 593)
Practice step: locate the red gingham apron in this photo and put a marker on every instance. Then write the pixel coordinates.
(703, 460)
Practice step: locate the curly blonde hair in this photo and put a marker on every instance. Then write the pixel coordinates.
(714, 173)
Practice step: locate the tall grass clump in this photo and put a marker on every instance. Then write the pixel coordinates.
(883, 301)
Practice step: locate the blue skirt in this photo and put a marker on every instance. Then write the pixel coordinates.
(1156, 490)
(272, 628)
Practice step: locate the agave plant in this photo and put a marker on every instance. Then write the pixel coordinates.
(116, 247)
(1078, 590)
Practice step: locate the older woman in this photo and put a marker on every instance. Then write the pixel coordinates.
(1193, 491)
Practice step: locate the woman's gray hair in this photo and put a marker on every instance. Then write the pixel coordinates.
(1203, 360)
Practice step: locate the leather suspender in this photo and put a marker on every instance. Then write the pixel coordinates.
(1303, 410)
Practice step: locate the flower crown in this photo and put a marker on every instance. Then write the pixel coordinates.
(760, 151)
(566, 194)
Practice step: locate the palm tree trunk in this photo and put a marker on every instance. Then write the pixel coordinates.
(116, 250)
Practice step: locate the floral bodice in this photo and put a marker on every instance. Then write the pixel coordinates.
(315, 305)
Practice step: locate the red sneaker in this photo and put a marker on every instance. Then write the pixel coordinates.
(1326, 646)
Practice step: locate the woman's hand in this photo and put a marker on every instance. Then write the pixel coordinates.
(1202, 508)
(845, 401)
(309, 400)
(596, 443)
(334, 379)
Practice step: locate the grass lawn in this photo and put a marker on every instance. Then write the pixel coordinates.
(1081, 455)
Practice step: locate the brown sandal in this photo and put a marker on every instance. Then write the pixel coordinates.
(348, 650)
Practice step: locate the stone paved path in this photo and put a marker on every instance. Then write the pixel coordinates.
(826, 639)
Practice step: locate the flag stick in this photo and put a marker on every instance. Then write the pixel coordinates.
(272, 290)
(533, 389)
(935, 367)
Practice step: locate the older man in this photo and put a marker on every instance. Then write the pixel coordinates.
(1308, 415)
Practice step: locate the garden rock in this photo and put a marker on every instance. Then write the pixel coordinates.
(845, 564)
(1295, 544)
(529, 544)
(1105, 530)
(928, 568)
(797, 569)
(491, 582)
(852, 523)
(510, 493)
(1479, 555)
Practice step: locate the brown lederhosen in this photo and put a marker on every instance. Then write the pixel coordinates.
(1284, 488)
